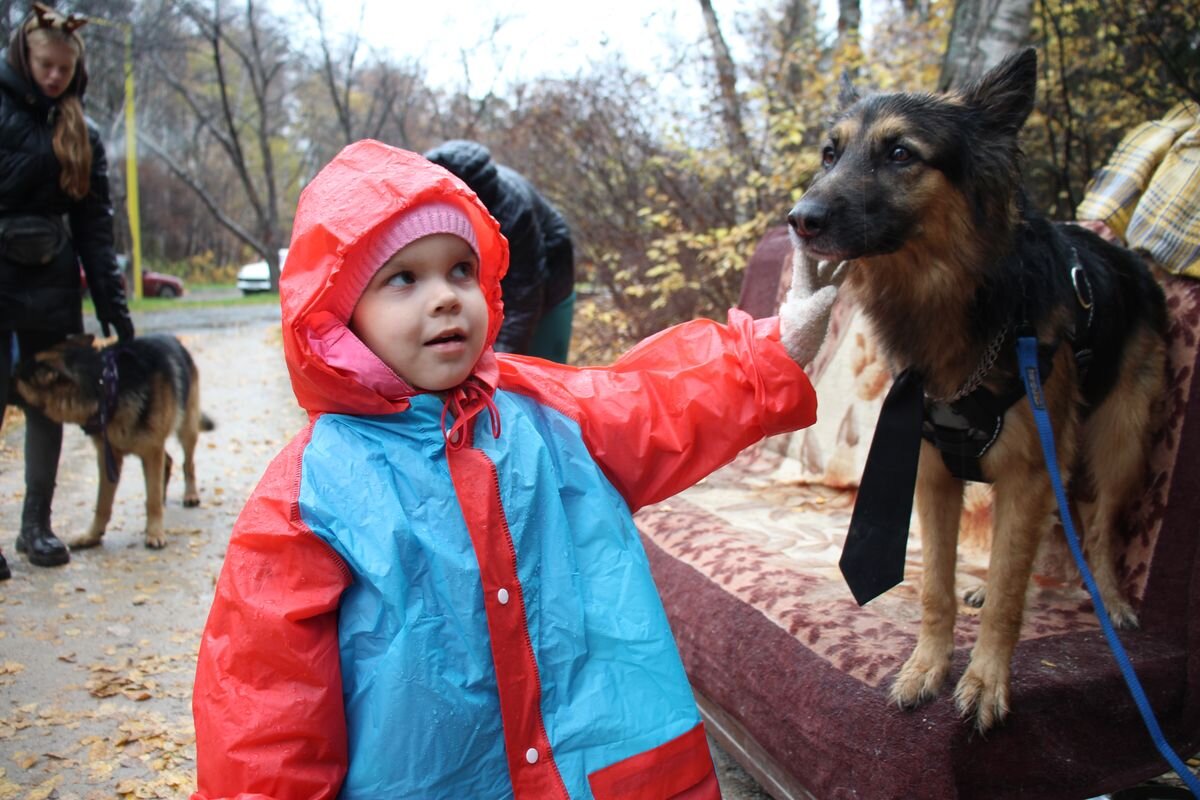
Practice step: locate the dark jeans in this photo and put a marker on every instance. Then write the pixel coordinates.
(43, 436)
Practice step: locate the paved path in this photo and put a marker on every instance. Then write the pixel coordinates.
(97, 657)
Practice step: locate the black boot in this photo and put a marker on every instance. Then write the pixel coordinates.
(5, 572)
(36, 540)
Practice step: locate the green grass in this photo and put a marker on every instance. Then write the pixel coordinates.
(152, 304)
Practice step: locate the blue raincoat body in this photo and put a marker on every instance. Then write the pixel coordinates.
(411, 609)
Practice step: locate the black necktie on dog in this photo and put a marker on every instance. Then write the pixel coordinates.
(873, 556)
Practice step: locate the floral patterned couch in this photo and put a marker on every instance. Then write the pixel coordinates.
(792, 676)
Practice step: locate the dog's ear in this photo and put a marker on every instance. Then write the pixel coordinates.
(36, 375)
(847, 94)
(1005, 93)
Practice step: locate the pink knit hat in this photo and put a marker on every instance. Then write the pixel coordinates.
(381, 244)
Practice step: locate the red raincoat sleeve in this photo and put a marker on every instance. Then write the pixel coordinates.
(270, 723)
(679, 405)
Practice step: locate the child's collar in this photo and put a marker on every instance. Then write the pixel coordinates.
(331, 342)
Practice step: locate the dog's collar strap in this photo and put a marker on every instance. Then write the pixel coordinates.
(98, 424)
(965, 425)
(966, 428)
(1085, 311)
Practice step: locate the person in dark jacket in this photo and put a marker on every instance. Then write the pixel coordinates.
(55, 215)
(539, 290)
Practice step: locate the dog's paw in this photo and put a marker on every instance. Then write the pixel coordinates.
(975, 597)
(156, 541)
(86, 540)
(920, 678)
(191, 500)
(983, 693)
(1123, 616)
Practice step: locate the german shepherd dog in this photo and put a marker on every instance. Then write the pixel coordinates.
(921, 194)
(129, 398)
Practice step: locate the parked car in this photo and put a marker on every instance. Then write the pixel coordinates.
(154, 284)
(160, 284)
(256, 276)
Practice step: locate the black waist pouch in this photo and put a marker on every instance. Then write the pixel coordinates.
(31, 240)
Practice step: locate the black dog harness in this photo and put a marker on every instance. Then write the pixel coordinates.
(965, 426)
(97, 425)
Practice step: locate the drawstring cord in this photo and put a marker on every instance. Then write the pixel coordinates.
(465, 401)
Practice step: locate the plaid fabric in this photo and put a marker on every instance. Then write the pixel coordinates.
(1149, 191)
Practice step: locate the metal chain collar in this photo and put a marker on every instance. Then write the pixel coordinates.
(990, 354)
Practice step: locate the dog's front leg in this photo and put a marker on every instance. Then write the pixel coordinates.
(154, 470)
(939, 508)
(1022, 511)
(105, 493)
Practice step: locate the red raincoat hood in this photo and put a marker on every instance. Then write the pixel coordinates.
(366, 184)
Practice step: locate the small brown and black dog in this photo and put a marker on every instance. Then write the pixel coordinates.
(129, 398)
(921, 193)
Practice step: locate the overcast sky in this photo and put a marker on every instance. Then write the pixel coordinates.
(538, 38)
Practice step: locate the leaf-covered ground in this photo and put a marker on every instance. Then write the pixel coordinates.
(97, 657)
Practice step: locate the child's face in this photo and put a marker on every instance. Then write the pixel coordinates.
(424, 314)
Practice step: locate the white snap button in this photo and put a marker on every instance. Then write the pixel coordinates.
(531, 755)
(454, 435)
(502, 596)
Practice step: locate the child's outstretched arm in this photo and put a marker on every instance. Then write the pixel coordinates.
(270, 720)
(678, 405)
(686, 401)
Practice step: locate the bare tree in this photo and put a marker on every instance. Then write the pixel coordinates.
(371, 96)
(470, 110)
(918, 9)
(731, 104)
(849, 22)
(237, 104)
(338, 73)
(11, 12)
(982, 33)
(795, 24)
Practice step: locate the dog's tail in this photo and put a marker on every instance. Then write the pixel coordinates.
(206, 422)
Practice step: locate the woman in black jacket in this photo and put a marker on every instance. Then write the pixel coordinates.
(539, 288)
(55, 215)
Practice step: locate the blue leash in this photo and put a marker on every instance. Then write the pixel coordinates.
(1027, 358)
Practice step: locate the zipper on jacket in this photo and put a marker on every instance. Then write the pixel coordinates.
(501, 584)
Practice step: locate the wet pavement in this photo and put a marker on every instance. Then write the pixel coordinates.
(97, 657)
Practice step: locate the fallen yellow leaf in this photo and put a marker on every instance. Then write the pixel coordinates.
(45, 789)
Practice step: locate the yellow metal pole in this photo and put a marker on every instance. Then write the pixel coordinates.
(131, 171)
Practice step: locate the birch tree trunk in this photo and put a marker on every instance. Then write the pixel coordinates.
(982, 33)
(849, 20)
(731, 105)
(795, 20)
(848, 42)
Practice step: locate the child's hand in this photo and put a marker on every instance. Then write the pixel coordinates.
(804, 316)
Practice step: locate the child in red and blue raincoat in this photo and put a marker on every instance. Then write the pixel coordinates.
(437, 589)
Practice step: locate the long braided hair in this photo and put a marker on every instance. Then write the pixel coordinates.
(72, 146)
